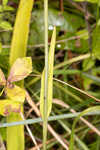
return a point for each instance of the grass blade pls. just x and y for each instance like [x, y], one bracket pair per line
[46, 73]
[50, 71]
[45, 110]
[21, 30]
[50, 78]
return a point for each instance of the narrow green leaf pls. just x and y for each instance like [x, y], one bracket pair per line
[5, 25]
[8, 8]
[83, 32]
[88, 64]
[50, 77]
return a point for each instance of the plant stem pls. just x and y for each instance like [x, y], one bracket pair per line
[15, 135]
[51, 118]
[46, 74]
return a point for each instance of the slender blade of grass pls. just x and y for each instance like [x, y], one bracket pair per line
[46, 74]
[21, 30]
[50, 78]
[46, 98]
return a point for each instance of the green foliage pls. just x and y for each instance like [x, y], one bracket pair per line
[4, 2]
[64, 22]
[5, 25]
[88, 64]
[3, 8]
[95, 108]
[81, 71]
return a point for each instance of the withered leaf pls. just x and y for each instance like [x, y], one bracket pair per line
[20, 69]
[7, 106]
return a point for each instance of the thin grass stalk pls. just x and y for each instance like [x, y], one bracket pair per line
[52, 118]
[46, 74]
[30, 133]
[74, 59]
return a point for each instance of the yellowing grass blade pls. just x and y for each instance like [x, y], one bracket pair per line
[21, 30]
[50, 78]
[50, 74]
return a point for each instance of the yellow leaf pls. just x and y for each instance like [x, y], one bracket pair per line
[50, 78]
[50, 71]
[18, 50]
[7, 106]
[21, 30]
[16, 94]
[20, 69]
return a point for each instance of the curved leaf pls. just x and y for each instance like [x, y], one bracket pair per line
[20, 69]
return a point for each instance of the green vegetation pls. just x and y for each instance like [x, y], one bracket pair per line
[49, 75]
